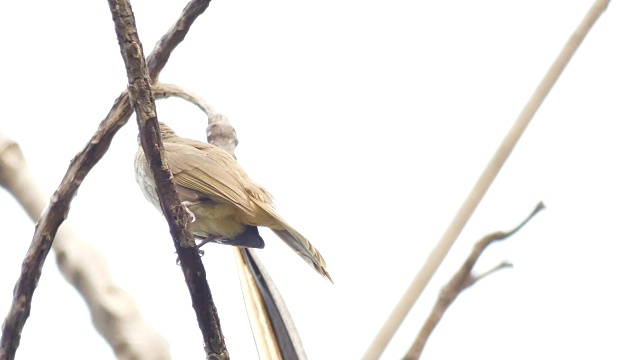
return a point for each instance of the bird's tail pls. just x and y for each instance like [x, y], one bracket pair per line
[297, 242]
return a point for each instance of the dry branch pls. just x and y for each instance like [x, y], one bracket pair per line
[58, 209]
[462, 280]
[175, 213]
[490, 172]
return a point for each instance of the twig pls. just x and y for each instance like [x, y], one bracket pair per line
[82, 163]
[175, 214]
[475, 278]
[490, 172]
[461, 281]
[113, 311]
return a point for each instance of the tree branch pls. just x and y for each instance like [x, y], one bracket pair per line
[176, 215]
[58, 209]
[462, 280]
[481, 186]
[167, 43]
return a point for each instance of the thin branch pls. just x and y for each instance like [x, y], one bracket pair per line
[462, 280]
[58, 209]
[490, 172]
[475, 278]
[113, 311]
[175, 214]
[167, 43]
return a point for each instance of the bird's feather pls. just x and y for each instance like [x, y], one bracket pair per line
[249, 238]
[197, 170]
[297, 242]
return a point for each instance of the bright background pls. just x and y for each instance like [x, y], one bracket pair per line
[369, 121]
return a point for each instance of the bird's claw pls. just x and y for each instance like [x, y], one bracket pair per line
[200, 252]
[210, 238]
[186, 205]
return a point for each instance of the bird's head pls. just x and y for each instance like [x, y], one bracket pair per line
[166, 131]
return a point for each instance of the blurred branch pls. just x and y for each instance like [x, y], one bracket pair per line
[113, 311]
[274, 331]
[264, 336]
[462, 280]
[490, 172]
[82, 163]
[176, 215]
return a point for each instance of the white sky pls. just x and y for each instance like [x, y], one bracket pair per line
[369, 122]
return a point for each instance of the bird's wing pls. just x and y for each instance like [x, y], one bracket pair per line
[296, 241]
[209, 171]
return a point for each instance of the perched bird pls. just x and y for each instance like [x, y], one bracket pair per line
[225, 204]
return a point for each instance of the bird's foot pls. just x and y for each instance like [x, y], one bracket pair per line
[209, 239]
[186, 205]
[200, 252]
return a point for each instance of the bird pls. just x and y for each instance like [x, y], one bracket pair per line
[225, 205]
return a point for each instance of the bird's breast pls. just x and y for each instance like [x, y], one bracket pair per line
[144, 178]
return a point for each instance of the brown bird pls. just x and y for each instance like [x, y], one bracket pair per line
[225, 204]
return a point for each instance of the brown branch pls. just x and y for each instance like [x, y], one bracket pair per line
[58, 209]
[462, 280]
[437, 255]
[471, 280]
[165, 46]
[113, 311]
[175, 214]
